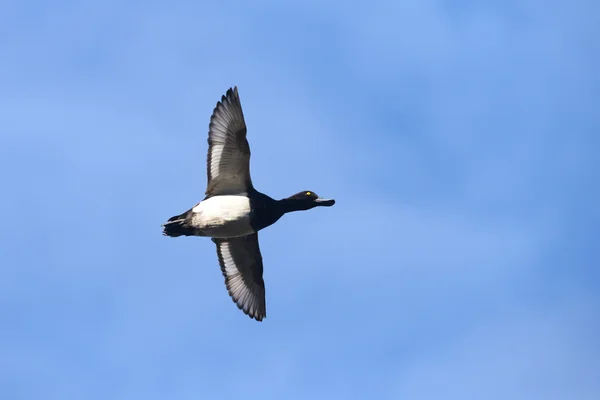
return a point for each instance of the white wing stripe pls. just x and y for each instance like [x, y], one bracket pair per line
[215, 159]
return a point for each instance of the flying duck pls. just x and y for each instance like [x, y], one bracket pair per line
[233, 211]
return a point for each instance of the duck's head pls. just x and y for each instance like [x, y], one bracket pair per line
[306, 200]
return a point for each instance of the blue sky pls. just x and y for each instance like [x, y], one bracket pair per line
[459, 139]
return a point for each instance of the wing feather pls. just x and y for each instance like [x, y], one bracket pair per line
[228, 160]
[242, 267]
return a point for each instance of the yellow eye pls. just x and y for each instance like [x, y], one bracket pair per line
[308, 193]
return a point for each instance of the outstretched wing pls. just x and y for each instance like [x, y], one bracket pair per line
[242, 267]
[228, 161]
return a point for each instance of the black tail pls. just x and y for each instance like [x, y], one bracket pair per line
[178, 226]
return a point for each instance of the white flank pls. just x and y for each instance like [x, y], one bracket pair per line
[223, 216]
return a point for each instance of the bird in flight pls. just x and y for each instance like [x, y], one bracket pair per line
[233, 211]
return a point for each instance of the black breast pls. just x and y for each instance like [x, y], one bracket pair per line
[265, 211]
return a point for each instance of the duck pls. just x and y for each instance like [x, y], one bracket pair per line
[233, 211]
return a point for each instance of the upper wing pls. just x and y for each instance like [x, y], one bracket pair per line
[242, 267]
[228, 161]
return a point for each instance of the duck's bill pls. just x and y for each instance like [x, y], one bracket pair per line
[325, 202]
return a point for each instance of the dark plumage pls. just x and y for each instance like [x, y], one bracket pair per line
[233, 211]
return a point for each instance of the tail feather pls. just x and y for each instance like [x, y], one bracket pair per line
[177, 226]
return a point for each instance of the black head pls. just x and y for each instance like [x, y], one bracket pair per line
[306, 200]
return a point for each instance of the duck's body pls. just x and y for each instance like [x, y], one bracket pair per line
[227, 216]
[233, 211]
[218, 217]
